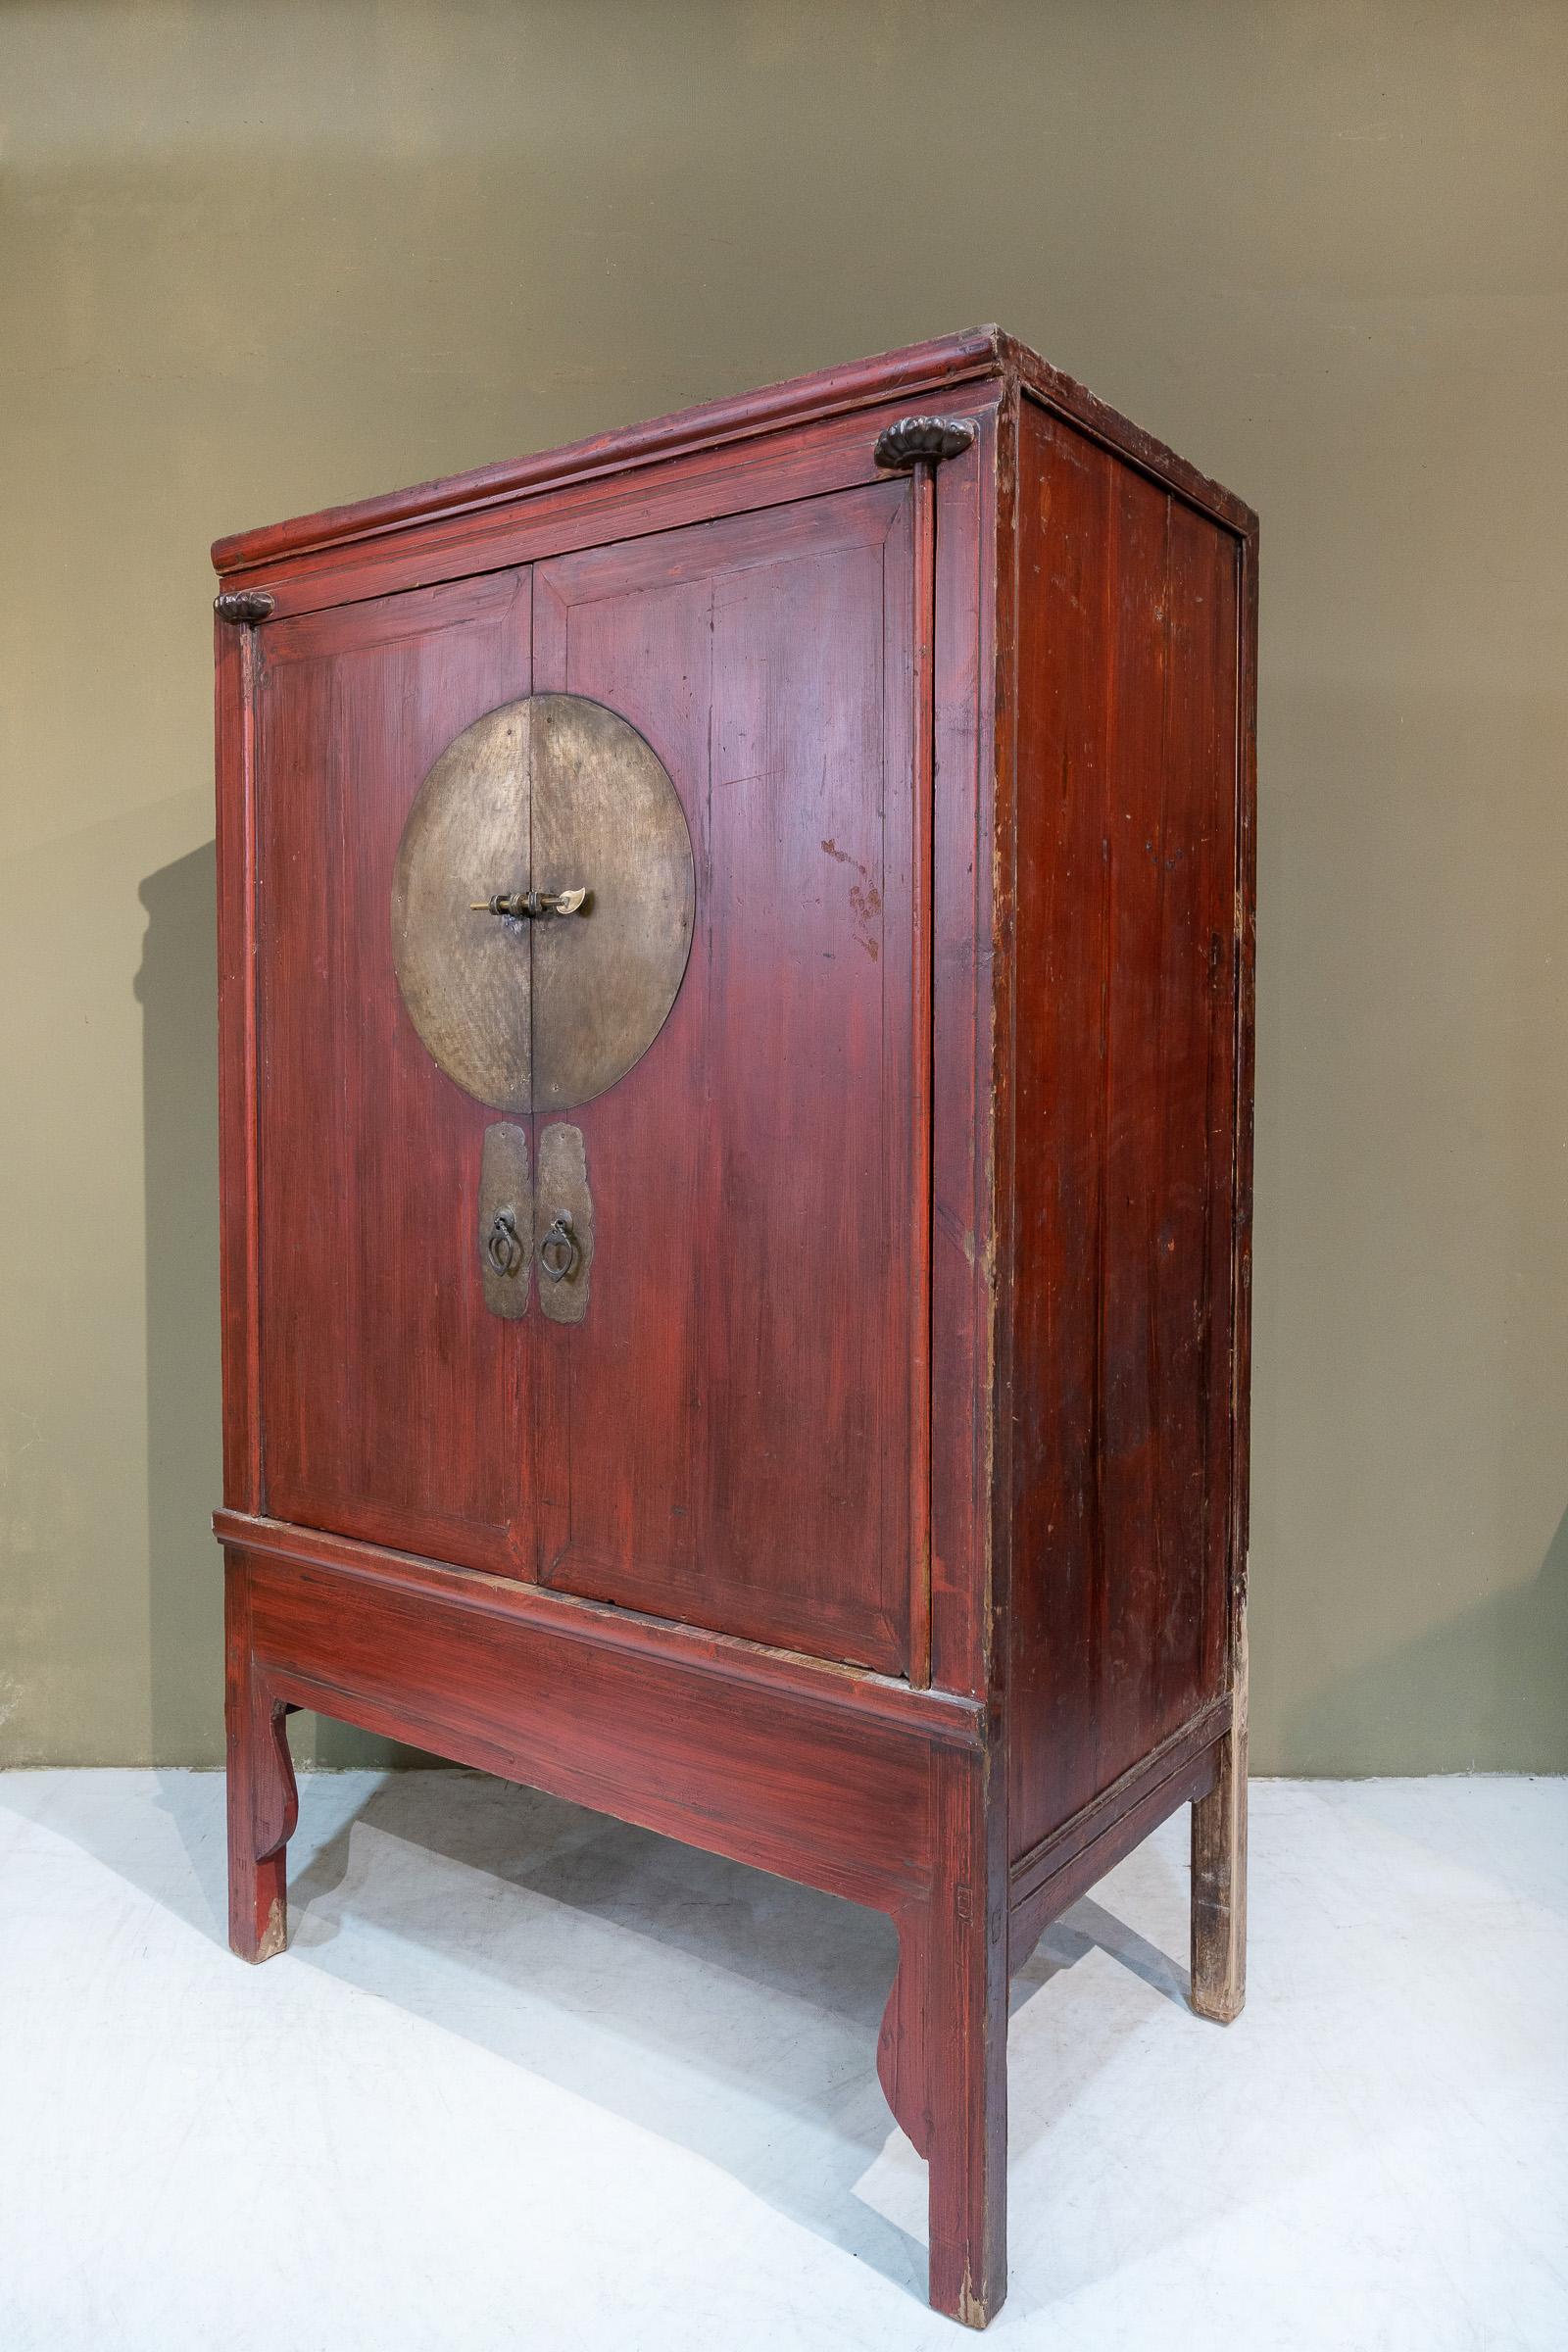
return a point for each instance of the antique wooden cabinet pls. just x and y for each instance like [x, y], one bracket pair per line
[736, 1037]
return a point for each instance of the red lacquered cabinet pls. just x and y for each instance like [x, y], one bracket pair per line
[736, 946]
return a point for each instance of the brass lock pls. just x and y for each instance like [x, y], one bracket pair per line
[565, 990]
[555, 807]
[535, 902]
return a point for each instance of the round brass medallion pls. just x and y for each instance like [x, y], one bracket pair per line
[542, 905]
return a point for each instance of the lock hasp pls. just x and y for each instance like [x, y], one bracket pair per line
[543, 904]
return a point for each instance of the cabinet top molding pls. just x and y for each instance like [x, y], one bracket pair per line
[926, 369]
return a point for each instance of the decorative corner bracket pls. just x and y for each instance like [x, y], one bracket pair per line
[924, 440]
[243, 604]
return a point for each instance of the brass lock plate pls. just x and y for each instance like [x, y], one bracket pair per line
[543, 904]
[535, 1230]
[564, 1225]
[505, 1220]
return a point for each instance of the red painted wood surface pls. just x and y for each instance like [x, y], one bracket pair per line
[725, 1438]
[757, 1775]
[930, 374]
[1124, 1073]
[263, 1802]
[753, 1766]
[391, 1400]
[559, 515]
[939, 1718]
[918, 1344]
[233, 712]
[936, 368]
[971, 740]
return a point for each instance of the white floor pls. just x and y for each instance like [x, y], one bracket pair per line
[527, 2078]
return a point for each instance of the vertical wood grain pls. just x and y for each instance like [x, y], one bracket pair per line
[1219, 1821]
[391, 1398]
[965, 1984]
[235, 670]
[972, 698]
[1241, 1238]
[1219, 1868]
[942, 2053]
[923, 718]
[1065, 509]
[263, 1801]
[635, 633]
[757, 1176]
[1126, 1107]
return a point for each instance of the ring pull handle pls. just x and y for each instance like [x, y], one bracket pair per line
[561, 1252]
[504, 1243]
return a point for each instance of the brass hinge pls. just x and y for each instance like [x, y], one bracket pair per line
[924, 440]
[243, 604]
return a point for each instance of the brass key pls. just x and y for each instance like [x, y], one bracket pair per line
[534, 903]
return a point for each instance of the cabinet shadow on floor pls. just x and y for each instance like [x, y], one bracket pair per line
[733, 2012]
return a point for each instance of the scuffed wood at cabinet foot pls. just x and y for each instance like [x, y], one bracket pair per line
[943, 2052]
[901, 2044]
[1219, 1868]
[964, 1975]
[263, 1797]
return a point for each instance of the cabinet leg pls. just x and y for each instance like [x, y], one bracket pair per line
[901, 2047]
[1219, 1871]
[262, 1799]
[943, 2054]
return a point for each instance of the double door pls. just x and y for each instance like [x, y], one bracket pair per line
[723, 1434]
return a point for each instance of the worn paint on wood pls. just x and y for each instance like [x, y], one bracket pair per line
[882, 1520]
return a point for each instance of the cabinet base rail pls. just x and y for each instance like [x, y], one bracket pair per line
[845, 1781]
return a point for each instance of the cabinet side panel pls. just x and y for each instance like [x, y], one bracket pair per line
[1125, 1078]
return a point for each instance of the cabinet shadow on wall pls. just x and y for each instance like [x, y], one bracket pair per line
[177, 987]
[1435, 1704]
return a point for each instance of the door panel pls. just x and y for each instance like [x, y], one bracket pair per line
[726, 1439]
[391, 1399]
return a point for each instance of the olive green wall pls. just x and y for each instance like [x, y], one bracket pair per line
[259, 258]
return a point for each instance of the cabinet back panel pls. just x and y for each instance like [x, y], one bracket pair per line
[1123, 1183]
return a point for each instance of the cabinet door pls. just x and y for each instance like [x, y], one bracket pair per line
[391, 1398]
[726, 1438]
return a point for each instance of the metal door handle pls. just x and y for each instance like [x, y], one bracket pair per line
[504, 1245]
[560, 1252]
